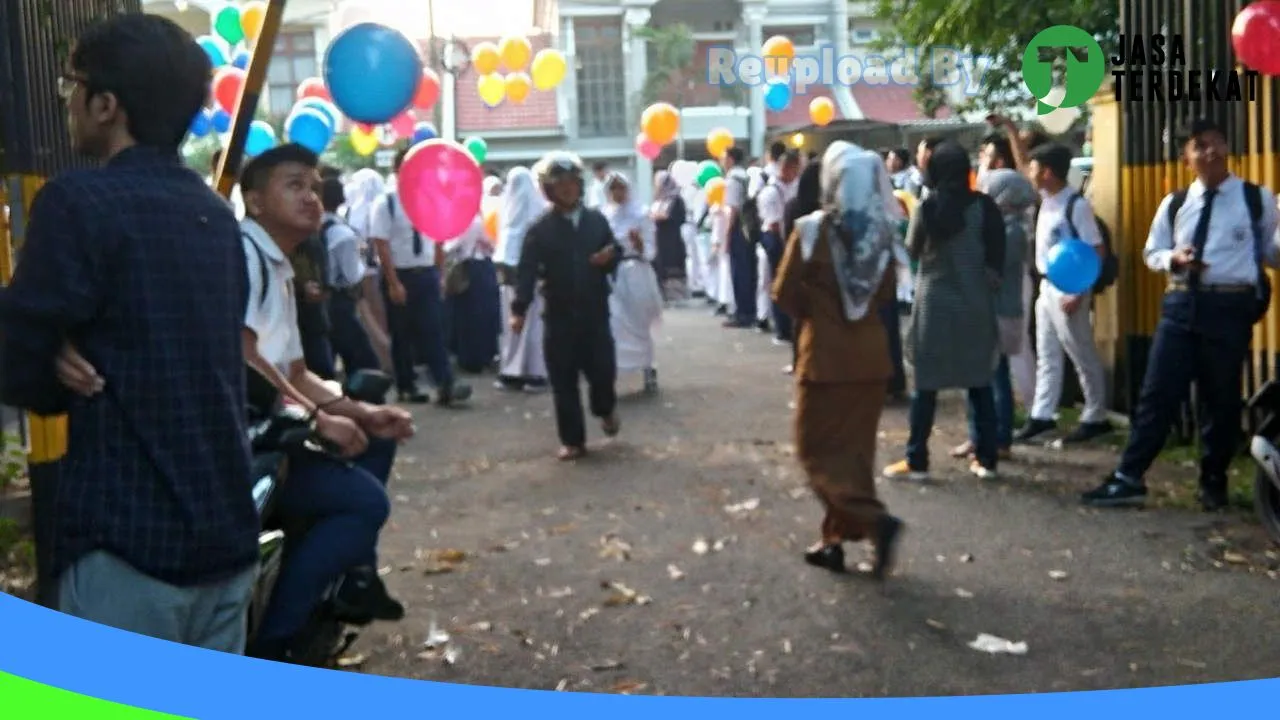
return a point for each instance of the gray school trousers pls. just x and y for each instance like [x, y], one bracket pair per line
[102, 588]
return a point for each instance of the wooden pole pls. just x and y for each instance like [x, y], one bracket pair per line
[229, 166]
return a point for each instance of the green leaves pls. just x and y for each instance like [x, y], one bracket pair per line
[997, 29]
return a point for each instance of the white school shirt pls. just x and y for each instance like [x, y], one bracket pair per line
[757, 183]
[736, 182]
[345, 262]
[392, 225]
[772, 202]
[1229, 251]
[1052, 227]
[273, 319]
[472, 243]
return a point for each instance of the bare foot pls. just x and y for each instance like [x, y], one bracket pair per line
[567, 454]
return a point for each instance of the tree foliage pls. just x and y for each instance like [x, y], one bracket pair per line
[997, 29]
[674, 68]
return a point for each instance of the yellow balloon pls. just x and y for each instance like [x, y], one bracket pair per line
[485, 58]
[518, 86]
[715, 191]
[515, 52]
[251, 17]
[719, 141]
[364, 143]
[548, 69]
[822, 111]
[492, 89]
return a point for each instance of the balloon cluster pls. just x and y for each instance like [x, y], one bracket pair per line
[235, 32]
[545, 70]
[779, 53]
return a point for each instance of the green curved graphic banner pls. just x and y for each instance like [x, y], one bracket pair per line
[26, 700]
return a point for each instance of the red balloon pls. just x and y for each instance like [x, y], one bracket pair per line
[403, 124]
[366, 128]
[440, 185]
[313, 87]
[227, 83]
[1255, 35]
[428, 90]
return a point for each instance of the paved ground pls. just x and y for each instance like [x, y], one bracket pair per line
[512, 553]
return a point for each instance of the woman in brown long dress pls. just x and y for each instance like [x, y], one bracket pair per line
[836, 272]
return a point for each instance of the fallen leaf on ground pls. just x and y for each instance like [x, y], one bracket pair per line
[482, 626]
[798, 493]
[997, 645]
[1192, 664]
[623, 595]
[1234, 558]
[560, 686]
[351, 661]
[563, 529]
[612, 546]
[626, 687]
[786, 647]
[674, 572]
[606, 665]
[936, 625]
[743, 507]
[560, 593]
[700, 547]
[588, 613]
[438, 569]
[962, 593]
[1057, 574]
[436, 637]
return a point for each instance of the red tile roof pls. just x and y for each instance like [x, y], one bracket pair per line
[797, 113]
[538, 112]
[890, 103]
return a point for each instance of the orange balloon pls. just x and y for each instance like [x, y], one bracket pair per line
[715, 191]
[485, 58]
[251, 18]
[778, 52]
[515, 52]
[518, 86]
[822, 111]
[719, 141]
[491, 223]
[660, 122]
[428, 90]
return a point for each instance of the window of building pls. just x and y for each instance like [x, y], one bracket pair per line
[602, 83]
[801, 35]
[863, 36]
[293, 61]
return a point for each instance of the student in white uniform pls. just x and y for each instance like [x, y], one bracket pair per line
[522, 365]
[635, 305]
[1213, 240]
[772, 203]
[411, 264]
[595, 195]
[1064, 323]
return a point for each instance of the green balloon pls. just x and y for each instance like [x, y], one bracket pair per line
[708, 170]
[227, 25]
[478, 148]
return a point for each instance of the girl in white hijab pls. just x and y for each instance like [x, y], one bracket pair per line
[522, 366]
[635, 305]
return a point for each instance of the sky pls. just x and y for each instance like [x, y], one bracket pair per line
[464, 18]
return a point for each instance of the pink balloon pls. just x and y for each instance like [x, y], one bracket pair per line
[647, 148]
[403, 125]
[441, 186]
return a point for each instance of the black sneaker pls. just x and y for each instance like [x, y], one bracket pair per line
[650, 381]
[362, 598]
[1114, 492]
[416, 397]
[888, 530]
[1214, 499]
[1088, 431]
[454, 394]
[764, 327]
[1034, 429]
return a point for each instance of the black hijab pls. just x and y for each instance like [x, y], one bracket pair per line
[808, 197]
[947, 176]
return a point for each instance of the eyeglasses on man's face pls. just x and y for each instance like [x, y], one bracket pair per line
[67, 85]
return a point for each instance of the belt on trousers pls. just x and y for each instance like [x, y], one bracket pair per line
[1180, 285]
[414, 270]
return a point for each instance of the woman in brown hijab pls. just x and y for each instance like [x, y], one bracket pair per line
[836, 272]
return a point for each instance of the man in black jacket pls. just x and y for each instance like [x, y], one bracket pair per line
[571, 249]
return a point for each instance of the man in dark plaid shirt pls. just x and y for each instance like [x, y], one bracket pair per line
[126, 312]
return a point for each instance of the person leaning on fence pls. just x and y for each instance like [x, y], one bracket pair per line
[1213, 239]
[125, 312]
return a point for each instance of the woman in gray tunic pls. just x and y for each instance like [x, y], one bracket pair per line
[1014, 195]
[958, 238]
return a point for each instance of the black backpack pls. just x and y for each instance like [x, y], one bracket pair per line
[750, 215]
[1253, 199]
[1110, 264]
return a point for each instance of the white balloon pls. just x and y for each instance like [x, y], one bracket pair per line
[683, 172]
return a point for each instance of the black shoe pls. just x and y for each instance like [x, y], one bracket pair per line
[362, 598]
[1114, 492]
[721, 311]
[280, 651]
[1033, 429]
[888, 530]
[764, 327]
[827, 557]
[1088, 431]
[456, 393]
[416, 397]
[1214, 499]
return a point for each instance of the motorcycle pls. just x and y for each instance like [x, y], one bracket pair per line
[274, 435]
[1264, 410]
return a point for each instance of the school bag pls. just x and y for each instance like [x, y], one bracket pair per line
[1110, 263]
[750, 215]
[1253, 199]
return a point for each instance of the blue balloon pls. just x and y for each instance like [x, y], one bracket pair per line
[221, 120]
[325, 108]
[777, 96]
[201, 124]
[261, 139]
[372, 72]
[424, 131]
[213, 49]
[241, 60]
[1073, 266]
[309, 128]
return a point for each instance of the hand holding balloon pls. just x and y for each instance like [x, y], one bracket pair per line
[1184, 258]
